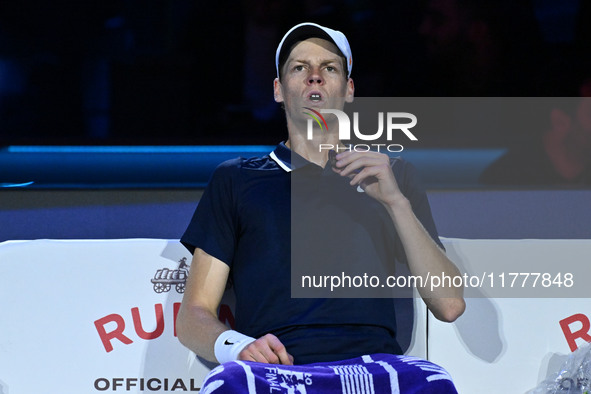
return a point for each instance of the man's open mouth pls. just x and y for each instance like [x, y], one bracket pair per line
[316, 97]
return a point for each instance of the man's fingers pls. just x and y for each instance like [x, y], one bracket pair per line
[260, 352]
[350, 163]
[369, 175]
[267, 349]
[255, 352]
[278, 350]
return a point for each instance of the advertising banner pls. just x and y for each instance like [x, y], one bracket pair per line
[98, 316]
[510, 345]
[95, 317]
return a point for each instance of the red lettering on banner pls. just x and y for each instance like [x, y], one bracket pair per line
[137, 323]
[107, 337]
[225, 315]
[571, 336]
[176, 307]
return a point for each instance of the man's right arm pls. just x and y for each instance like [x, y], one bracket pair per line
[198, 327]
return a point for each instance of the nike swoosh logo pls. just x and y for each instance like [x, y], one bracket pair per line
[228, 343]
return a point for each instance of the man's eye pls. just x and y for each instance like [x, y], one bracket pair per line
[299, 68]
[331, 69]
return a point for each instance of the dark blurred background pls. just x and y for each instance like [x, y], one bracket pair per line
[180, 72]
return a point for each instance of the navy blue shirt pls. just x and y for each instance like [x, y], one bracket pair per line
[250, 218]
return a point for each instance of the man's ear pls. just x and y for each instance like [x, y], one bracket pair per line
[561, 121]
[277, 93]
[350, 91]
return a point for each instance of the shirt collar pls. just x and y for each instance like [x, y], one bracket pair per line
[287, 159]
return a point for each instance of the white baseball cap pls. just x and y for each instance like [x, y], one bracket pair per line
[306, 30]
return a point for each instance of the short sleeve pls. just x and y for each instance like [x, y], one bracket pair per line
[213, 225]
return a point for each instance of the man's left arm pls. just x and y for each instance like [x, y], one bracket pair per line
[372, 171]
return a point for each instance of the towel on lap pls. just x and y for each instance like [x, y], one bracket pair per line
[376, 373]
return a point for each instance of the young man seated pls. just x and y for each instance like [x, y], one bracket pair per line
[243, 232]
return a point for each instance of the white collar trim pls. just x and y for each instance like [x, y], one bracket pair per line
[278, 161]
[287, 169]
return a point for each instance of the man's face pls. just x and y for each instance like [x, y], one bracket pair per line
[313, 77]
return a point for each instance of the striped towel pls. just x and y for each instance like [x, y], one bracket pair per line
[373, 374]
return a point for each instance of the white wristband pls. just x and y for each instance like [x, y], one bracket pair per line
[229, 344]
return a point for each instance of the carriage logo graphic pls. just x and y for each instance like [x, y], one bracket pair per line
[164, 278]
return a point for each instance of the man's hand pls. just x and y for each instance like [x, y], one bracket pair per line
[371, 171]
[267, 349]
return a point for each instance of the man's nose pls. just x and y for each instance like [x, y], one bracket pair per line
[315, 78]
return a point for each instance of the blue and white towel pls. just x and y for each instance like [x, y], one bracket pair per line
[373, 374]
